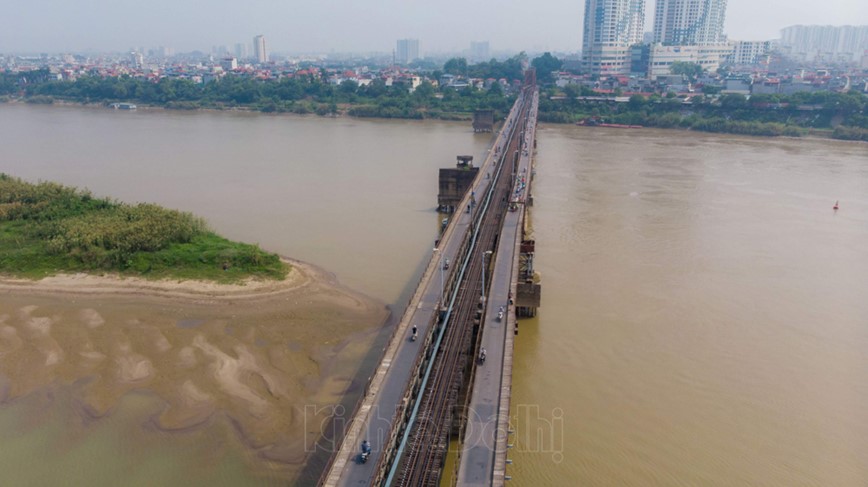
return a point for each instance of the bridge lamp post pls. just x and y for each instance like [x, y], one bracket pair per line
[472, 211]
[440, 301]
[484, 254]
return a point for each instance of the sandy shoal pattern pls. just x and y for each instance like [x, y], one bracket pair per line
[256, 354]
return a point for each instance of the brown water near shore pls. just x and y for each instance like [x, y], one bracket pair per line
[253, 366]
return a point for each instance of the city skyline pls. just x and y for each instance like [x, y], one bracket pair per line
[343, 26]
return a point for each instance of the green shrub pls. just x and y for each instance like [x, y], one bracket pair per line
[850, 133]
[45, 227]
[40, 100]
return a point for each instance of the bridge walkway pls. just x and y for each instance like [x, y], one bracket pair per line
[483, 456]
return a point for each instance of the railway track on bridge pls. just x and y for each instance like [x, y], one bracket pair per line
[422, 454]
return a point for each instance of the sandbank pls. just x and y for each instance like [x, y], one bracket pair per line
[301, 275]
[257, 354]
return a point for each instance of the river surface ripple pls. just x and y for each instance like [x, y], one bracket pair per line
[705, 312]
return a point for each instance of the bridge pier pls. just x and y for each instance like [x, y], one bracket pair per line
[527, 299]
[483, 121]
[454, 183]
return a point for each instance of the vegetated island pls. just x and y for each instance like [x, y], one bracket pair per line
[47, 228]
[219, 335]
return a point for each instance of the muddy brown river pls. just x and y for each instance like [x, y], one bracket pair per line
[704, 317]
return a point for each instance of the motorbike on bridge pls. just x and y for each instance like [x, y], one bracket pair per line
[366, 452]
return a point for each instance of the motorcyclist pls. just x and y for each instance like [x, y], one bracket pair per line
[366, 451]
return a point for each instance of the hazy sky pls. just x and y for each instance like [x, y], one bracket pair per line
[351, 25]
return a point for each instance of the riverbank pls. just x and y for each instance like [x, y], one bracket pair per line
[361, 111]
[255, 354]
[303, 107]
[114, 284]
[826, 114]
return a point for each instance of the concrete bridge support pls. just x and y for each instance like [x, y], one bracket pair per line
[454, 183]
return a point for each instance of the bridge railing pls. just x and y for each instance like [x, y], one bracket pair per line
[411, 393]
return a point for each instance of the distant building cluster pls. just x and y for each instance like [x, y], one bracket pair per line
[618, 89]
[241, 51]
[220, 62]
[617, 59]
[684, 31]
[617, 55]
[826, 43]
[691, 31]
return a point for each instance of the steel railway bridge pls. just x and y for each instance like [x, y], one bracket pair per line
[434, 388]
